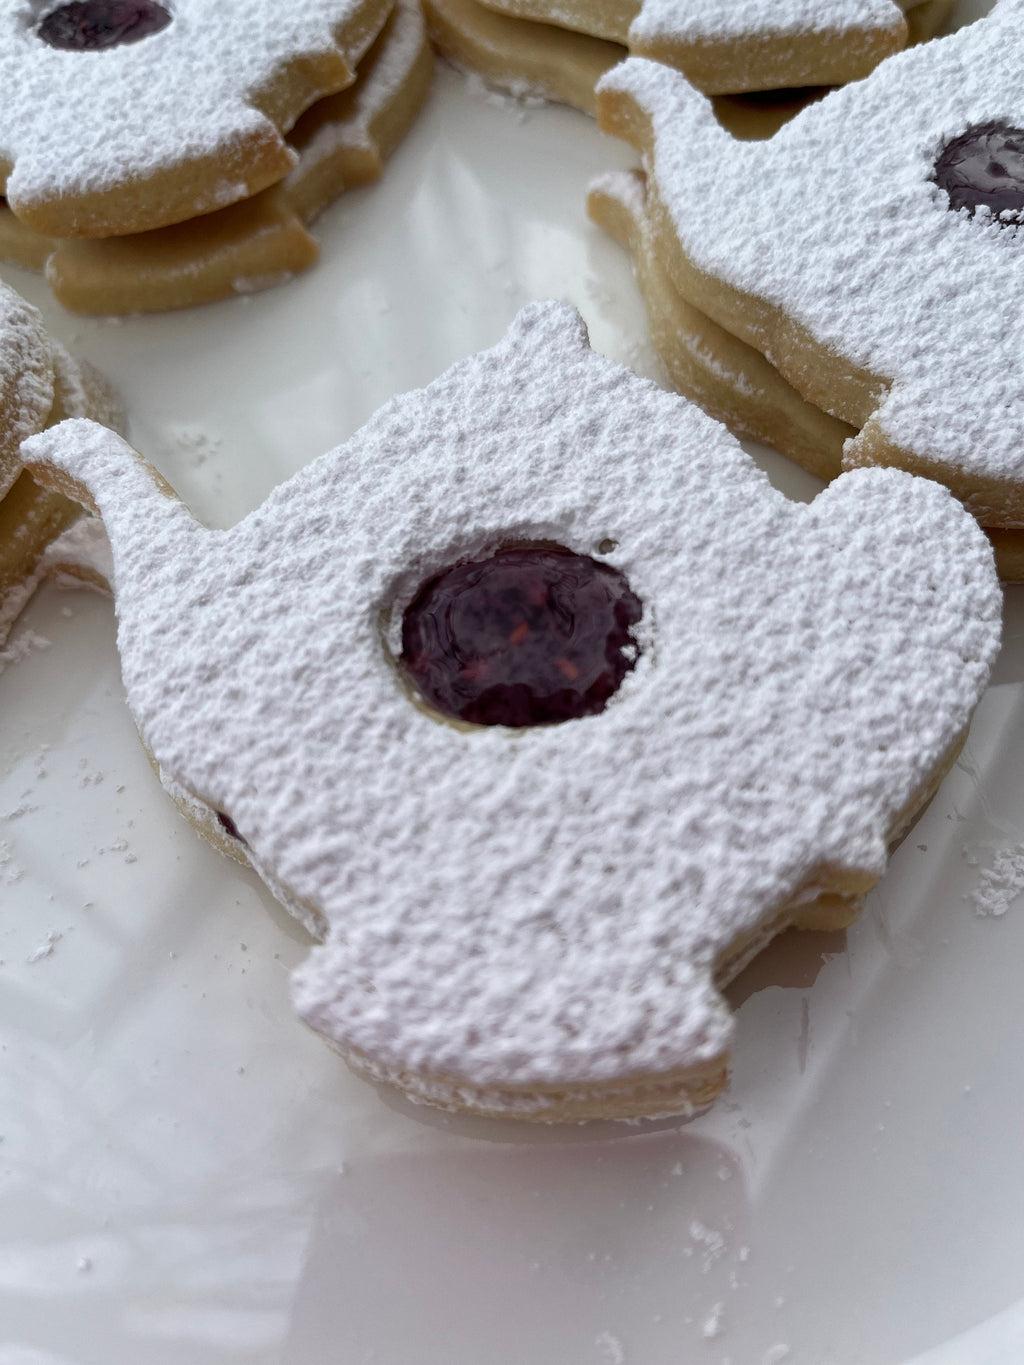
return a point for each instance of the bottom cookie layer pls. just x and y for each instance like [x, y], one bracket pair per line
[529, 58]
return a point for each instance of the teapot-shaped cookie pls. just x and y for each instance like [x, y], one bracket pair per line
[743, 701]
[120, 117]
[871, 249]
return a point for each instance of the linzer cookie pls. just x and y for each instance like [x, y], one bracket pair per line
[725, 47]
[881, 277]
[26, 380]
[124, 115]
[40, 383]
[546, 711]
[541, 60]
[544, 60]
[340, 142]
[726, 376]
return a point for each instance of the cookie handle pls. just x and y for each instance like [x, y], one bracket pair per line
[148, 525]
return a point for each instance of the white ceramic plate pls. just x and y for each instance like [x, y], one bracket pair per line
[187, 1175]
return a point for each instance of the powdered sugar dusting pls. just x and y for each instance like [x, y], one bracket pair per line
[712, 1325]
[46, 948]
[702, 20]
[22, 647]
[855, 241]
[546, 907]
[26, 380]
[516, 95]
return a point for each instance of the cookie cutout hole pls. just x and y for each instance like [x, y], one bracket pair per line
[229, 827]
[532, 635]
[606, 546]
[93, 25]
[984, 168]
[759, 114]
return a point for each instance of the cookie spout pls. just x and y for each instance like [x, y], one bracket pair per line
[638, 98]
[145, 520]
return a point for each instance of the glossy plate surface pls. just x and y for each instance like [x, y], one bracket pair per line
[186, 1174]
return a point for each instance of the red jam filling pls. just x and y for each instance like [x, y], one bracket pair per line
[985, 166]
[530, 636]
[228, 826]
[91, 25]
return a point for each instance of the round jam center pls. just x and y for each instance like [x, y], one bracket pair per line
[529, 636]
[90, 25]
[984, 166]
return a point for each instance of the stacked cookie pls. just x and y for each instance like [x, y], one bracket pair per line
[544, 758]
[40, 385]
[559, 49]
[189, 201]
[848, 291]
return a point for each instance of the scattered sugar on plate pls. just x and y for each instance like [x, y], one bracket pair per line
[10, 872]
[29, 642]
[999, 884]
[712, 1325]
[198, 446]
[46, 948]
[610, 1348]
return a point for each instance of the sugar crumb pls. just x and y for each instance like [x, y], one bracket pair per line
[712, 1325]
[46, 948]
[610, 1348]
[999, 884]
[22, 646]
